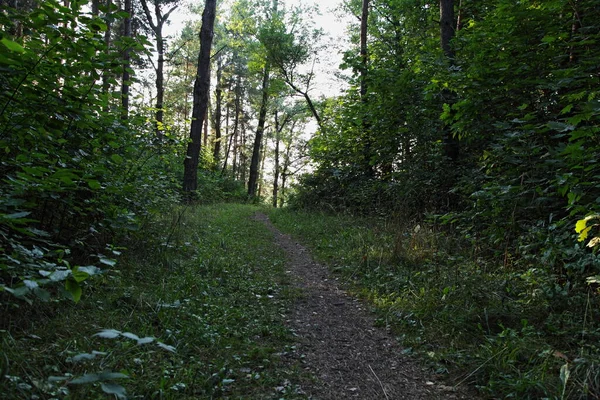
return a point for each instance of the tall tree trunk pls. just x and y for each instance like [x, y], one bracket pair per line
[243, 159]
[447, 31]
[364, 18]
[201, 92]
[261, 171]
[262, 117]
[126, 61]
[227, 135]
[157, 28]
[236, 123]
[364, 60]
[575, 26]
[205, 130]
[160, 82]
[218, 100]
[276, 168]
[284, 172]
[107, 43]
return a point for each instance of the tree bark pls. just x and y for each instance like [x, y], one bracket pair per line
[276, 168]
[227, 135]
[364, 59]
[261, 170]
[126, 62]
[107, 42]
[218, 111]
[447, 31]
[157, 28]
[201, 92]
[285, 172]
[262, 117]
[363, 49]
[242, 158]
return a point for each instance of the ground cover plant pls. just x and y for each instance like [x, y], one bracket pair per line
[511, 333]
[194, 309]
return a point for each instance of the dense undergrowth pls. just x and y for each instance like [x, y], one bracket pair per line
[512, 333]
[193, 309]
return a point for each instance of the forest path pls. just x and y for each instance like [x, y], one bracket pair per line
[338, 343]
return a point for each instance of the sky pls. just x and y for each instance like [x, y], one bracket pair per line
[326, 83]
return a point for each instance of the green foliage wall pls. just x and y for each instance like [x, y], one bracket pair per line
[74, 173]
[521, 95]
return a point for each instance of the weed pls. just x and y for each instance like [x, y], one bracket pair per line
[194, 310]
[511, 330]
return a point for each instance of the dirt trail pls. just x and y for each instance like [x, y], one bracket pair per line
[339, 344]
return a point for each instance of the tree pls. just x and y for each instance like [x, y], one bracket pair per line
[156, 23]
[201, 93]
[125, 80]
[290, 43]
[447, 30]
[262, 118]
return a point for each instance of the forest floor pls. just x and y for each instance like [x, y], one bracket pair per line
[213, 303]
[338, 343]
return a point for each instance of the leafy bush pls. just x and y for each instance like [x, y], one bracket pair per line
[76, 173]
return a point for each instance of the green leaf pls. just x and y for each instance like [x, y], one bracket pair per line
[114, 389]
[130, 335]
[42, 294]
[12, 46]
[74, 289]
[58, 378]
[18, 215]
[108, 334]
[116, 158]
[166, 347]
[90, 270]
[582, 228]
[94, 184]
[80, 276]
[60, 275]
[108, 376]
[560, 126]
[565, 372]
[145, 340]
[87, 378]
[83, 357]
[31, 284]
[108, 261]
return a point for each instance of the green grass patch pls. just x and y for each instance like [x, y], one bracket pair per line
[194, 309]
[512, 331]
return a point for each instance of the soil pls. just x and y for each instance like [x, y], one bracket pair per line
[339, 345]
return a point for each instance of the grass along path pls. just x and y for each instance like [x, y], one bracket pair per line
[339, 344]
[196, 311]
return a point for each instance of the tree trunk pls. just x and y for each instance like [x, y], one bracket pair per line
[219, 100]
[364, 59]
[284, 172]
[105, 73]
[447, 31]
[205, 130]
[261, 171]
[201, 92]
[363, 49]
[254, 164]
[242, 159]
[447, 27]
[236, 124]
[160, 82]
[126, 62]
[229, 142]
[157, 28]
[276, 169]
